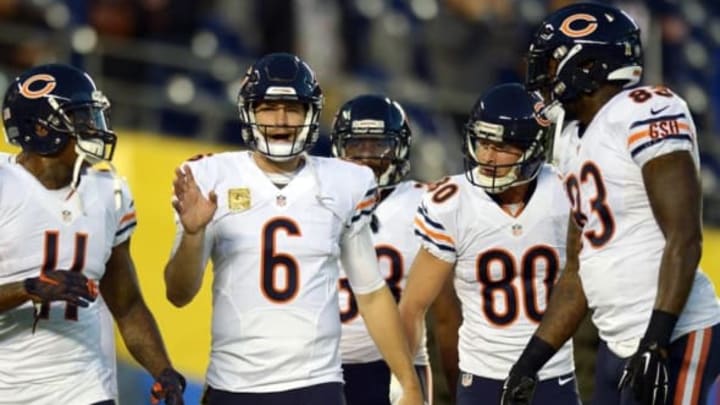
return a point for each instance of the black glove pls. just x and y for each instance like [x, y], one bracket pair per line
[62, 285]
[518, 389]
[646, 372]
[519, 386]
[169, 386]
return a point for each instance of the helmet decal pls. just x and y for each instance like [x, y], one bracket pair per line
[587, 29]
[49, 86]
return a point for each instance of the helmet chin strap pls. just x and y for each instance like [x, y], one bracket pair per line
[556, 114]
[383, 180]
[83, 157]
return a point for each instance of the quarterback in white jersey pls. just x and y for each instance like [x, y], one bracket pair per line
[500, 227]
[633, 184]
[373, 130]
[66, 229]
[283, 223]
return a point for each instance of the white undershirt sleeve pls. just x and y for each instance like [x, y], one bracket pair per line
[359, 261]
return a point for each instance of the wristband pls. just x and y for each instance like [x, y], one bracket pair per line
[660, 328]
[536, 354]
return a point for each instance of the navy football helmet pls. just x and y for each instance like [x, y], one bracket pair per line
[280, 77]
[582, 46]
[49, 104]
[506, 115]
[373, 130]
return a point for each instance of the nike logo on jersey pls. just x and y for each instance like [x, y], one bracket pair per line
[656, 112]
[563, 381]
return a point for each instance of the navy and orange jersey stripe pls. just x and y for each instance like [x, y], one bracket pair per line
[366, 206]
[127, 222]
[432, 231]
[648, 132]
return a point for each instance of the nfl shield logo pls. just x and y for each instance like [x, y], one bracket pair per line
[517, 229]
[280, 200]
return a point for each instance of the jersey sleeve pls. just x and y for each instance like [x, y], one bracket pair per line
[126, 217]
[434, 226]
[360, 262]
[658, 125]
[364, 204]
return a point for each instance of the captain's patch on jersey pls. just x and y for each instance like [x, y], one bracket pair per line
[238, 199]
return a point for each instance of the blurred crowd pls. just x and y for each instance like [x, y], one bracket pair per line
[173, 66]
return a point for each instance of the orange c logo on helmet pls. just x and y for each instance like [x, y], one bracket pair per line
[49, 86]
[588, 28]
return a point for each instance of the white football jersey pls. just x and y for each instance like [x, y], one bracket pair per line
[622, 243]
[505, 267]
[275, 254]
[395, 246]
[70, 357]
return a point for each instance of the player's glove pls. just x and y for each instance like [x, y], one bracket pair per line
[62, 285]
[646, 372]
[519, 386]
[169, 386]
[518, 389]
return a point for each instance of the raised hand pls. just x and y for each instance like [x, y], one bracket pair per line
[62, 285]
[194, 209]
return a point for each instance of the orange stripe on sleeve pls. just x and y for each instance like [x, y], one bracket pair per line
[127, 217]
[365, 203]
[635, 136]
[433, 234]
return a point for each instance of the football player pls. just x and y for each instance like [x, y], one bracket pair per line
[276, 223]
[635, 233]
[499, 229]
[65, 244]
[373, 130]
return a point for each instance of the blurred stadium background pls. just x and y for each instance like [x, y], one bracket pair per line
[172, 69]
